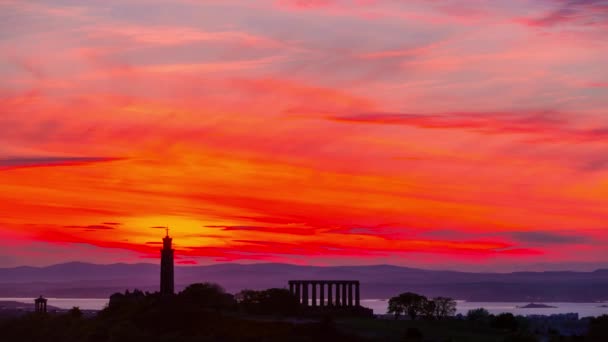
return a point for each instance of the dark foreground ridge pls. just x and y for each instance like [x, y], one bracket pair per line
[381, 281]
[205, 312]
[202, 312]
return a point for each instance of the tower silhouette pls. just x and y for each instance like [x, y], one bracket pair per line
[167, 282]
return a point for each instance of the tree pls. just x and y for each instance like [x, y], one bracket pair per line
[478, 315]
[444, 307]
[247, 298]
[429, 309]
[598, 329]
[505, 321]
[75, 312]
[395, 307]
[411, 303]
[270, 301]
[279, 301]
[207, 295]
[128, 298]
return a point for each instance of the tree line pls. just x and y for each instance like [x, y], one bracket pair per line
[201, 312]
[205, 312]
[415, 306]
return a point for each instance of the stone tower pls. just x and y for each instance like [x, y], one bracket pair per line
[167, 282]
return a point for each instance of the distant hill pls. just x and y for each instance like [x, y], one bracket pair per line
[380, 281]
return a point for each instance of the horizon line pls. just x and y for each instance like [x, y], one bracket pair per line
[605, 268]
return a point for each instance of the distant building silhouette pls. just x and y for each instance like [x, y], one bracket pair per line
[40, 304]
[344, 290]
[341, 297]
[167, 282]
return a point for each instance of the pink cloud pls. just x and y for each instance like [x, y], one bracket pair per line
[552, 126]
[171, 35]
[599, 84]
[308, 3]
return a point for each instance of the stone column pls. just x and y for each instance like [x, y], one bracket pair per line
[338, 295]
[350, 294]
[298, 292]
[330, 301]
[357, 295]
[314, 294]
[305, 296]
[322, 298]
[344, 300]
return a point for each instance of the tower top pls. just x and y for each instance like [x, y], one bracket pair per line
[167, 240]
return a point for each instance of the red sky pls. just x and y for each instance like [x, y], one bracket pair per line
[456, 134]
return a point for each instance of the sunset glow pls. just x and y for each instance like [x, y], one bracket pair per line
[450, 134]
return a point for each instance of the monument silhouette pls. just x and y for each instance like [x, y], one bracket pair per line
[346, 302]
[343, 290]
[167, 281]
[40, 304]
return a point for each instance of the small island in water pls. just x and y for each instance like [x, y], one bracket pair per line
[536, 306]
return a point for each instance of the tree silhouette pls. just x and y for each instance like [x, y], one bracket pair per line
[479, 315]
[505, 321]
[415, 305]
[207, 295]
[598, 329]
[429, 309]
[444, 307]
[75, 312]
[271, 301]
[411, 303]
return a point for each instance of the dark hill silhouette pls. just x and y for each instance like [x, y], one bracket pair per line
[379, 281]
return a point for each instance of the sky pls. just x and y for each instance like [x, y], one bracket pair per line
[441, 134]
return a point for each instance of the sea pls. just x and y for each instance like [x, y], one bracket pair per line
[462, 307]
[380, 306]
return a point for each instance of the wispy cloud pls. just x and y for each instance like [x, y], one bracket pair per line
[290, 230]
[173, 35]
[581, 12]
[94, 227]
[24, 162]
[548, 237]
[554, 125]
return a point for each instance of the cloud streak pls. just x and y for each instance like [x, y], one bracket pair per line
[551, 238]
[28, 162]
[554, 126]
[583, 12]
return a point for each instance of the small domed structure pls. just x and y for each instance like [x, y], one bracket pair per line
[40, 304]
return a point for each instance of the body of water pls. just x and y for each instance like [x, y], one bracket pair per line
[583, 309]
[379, 306]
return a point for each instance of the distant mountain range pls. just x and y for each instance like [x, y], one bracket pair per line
[72, 280]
